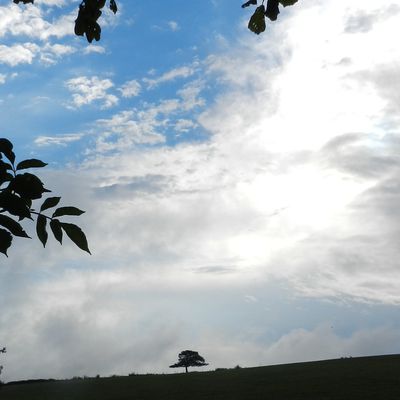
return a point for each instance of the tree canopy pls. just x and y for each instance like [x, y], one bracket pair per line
[189, 358]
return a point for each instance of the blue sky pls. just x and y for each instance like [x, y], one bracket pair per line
[241, 191]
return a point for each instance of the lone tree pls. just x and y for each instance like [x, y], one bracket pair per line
[189, 358]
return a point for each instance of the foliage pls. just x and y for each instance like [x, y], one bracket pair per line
[17, 193]
[189, 358]
[88, 13]
[257, 20]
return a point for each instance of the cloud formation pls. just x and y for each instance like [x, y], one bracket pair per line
[87, 90]
[285, 174]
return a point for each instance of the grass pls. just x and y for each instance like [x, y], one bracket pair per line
[364, 378]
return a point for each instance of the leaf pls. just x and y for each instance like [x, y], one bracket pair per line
[55, 226]
[76, 235]
[41, 229]
[272, 9]
[14, 205]
[31, 163]
[5, 241]
[5, 166]
[5, 176]
[113, 6]
[248, 3]
[13, 226]
[257, 20]
[28, 186]
[286, 3]
[67, 211]
[49, 203]
[6, 148]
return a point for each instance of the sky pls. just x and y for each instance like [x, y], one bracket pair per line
[241, 191]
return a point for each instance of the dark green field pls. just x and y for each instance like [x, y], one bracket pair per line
[375, 378]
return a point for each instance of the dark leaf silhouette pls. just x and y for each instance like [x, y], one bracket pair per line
[49, 203]
[5, 241]
[249, 3]
[76, 235]
[272, 10]
[28, 186]
[5, 166]
[113, 6]
[13, 226]
[41, 232]
[67, 211]
[5, 176]
[286, 3]
[14, 205]
[257, 20]
[6, 148]
[55, 226]
[32, 163]
[88, 14]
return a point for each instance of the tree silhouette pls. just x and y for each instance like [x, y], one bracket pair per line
[189, 358]
[17, 193]
[89, 12]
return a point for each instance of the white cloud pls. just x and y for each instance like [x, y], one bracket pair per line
[130, 88]
[127, 129]
[190, 95]
[180, 72]
[50, 54]
[92, 48]
[174, 26]
[18, 54]
[88, 90]
[60, 140]
[184, 125]
[30, 21]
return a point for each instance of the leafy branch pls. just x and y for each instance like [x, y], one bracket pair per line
[17, 193]
[88, 13]
[257, 21]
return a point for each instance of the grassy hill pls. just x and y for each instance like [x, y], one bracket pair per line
[375, 378]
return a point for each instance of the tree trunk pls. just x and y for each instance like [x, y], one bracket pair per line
[186, 369]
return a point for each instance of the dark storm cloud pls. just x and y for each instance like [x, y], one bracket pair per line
[363, 21]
